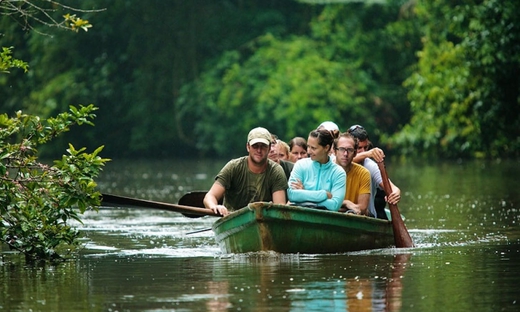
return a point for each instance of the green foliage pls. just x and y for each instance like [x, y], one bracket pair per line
[199, 82]
[7, 61]
[37, 200]
[286, 86]
[378, 42]
[290, 85]
[132, 65]
[441, 110]
[465, 93]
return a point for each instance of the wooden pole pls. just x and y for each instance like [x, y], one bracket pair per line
[123, 201]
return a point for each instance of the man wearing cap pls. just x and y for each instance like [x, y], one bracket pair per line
[249, 178]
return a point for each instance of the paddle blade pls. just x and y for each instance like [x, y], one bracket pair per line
[401, 236]
[195, 199]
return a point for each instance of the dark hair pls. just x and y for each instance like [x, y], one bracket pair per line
[325, 137]
[348, 136]
[274, 140]
[335, 133]
[358, 132]
[299, 141]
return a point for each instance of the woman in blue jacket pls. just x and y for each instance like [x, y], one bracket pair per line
[317, 179]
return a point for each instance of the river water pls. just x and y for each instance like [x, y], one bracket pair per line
[463, 217]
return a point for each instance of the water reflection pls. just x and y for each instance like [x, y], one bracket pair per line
[358, 293]
[263, 281]
[394, 287]
[44, 288]
[219, 296]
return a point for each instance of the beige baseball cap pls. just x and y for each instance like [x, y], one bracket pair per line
[259, 135]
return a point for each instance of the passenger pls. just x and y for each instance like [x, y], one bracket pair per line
[318, 180]
[283, 150]
[331, 126]
[364, 157]
[366, 149]
[274, 155]
[357, 197]
[298, 148]
[249, 178]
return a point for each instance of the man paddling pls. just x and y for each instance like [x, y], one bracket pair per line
[249, 178]
[364, 157]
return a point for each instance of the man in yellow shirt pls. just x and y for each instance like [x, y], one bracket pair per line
[357, 196]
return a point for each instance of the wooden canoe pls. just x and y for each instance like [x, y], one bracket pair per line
[290, 229]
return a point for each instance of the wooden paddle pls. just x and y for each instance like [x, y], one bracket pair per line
[123, 201]
[401, 236]
[195, 199]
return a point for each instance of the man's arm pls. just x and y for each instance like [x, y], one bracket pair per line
[337, 192]
[279, 197]
[213, 196]
[297, 192]
[360, 208]
[376, 153]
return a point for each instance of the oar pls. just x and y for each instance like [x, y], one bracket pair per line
[401, 236]
[195, 199]
[123, 201]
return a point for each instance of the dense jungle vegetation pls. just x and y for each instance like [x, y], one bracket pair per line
[181, 78]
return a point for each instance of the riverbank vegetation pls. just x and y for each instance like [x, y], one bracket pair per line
[184, 78]
[37, 199]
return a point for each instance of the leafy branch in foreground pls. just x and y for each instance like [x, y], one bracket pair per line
[38, 200]
[43, 12]
[7, 61]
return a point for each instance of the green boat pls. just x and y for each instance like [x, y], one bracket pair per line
[290, 229]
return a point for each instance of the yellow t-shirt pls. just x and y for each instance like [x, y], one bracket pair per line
[358, 182]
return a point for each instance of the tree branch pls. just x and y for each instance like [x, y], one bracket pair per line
[25, 10]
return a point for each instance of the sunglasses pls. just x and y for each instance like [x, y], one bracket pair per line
[355, 127]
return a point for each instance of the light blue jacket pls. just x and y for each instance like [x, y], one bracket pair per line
[317, 179]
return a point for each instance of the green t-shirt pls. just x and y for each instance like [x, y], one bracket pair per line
[244, 187]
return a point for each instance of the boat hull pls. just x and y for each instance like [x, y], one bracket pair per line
[290, 229]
